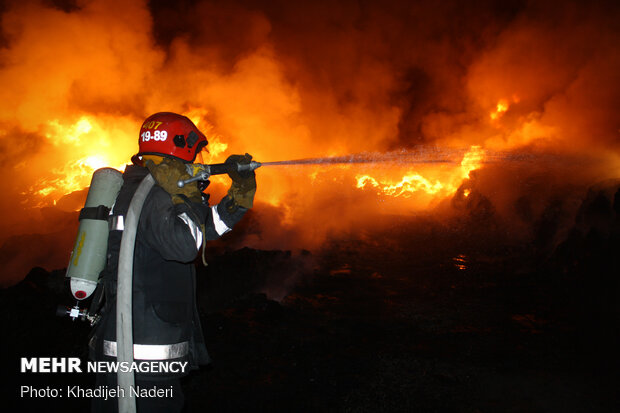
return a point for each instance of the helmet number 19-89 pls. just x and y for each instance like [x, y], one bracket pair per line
[156, 136]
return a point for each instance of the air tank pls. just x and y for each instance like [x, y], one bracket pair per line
[88, 257]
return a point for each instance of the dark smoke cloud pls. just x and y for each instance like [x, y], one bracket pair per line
[394, 61]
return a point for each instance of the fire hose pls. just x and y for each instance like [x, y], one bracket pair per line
[124, 291]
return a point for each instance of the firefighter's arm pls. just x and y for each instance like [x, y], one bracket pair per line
[175, 222]
[176, 230]
[215, 220]
[221, 218]
[169, 228]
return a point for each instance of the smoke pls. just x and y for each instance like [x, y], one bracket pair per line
[289, 80]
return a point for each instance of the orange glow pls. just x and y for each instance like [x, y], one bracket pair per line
[78, 83]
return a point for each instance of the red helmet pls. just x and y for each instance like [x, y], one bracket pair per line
[172, 135]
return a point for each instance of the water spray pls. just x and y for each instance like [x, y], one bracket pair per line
[202, 172]
[427, 155]
[419, 156]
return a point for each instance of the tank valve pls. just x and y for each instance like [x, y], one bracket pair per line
[76, 312]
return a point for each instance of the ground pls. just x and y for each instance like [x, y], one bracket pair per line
[407, 318]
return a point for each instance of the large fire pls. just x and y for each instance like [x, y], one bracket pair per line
[79, 78]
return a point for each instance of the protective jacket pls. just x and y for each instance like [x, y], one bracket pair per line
[166, 325]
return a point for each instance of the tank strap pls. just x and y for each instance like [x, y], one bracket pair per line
[97, 302]
[116, 223]
[151, 351]
[99, 212]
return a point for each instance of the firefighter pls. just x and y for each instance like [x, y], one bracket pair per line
[174, 223]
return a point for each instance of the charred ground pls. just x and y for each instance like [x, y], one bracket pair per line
[414, 316]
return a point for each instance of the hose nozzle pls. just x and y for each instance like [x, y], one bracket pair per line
[200, 172]
[252, 166]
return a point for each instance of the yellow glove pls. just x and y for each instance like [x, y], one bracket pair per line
[168, 173]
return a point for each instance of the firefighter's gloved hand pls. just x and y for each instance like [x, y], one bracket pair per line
[168, 173]
[243, 187]
[235, 175]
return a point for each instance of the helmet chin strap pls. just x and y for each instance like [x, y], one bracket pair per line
[137, 160]
[140, 158]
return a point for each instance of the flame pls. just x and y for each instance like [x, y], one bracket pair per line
[199, 116]
[84, 146]
[412, 182]
[59, 134]
[71, 177]
[406, 187]
[500, 109]
[472, 160]
[95, 162]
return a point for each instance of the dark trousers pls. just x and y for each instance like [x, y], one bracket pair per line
[172, 400]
